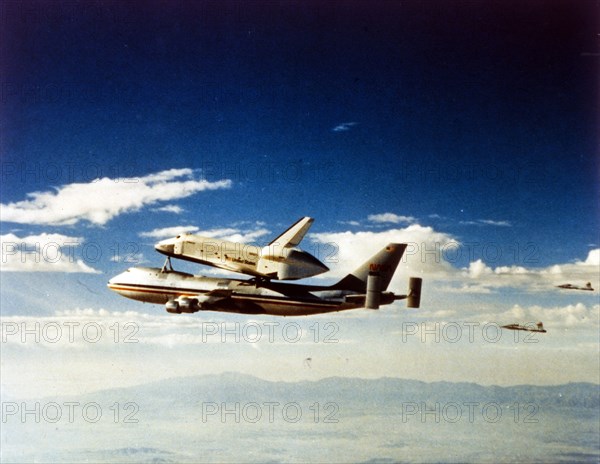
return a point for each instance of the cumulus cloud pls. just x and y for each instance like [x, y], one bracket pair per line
[102, 199]
[477, 269]
[593, 258]
[576, 315]
[43, 253]
[432, 254]
[391, 218]
[536, 279]
[345, 251]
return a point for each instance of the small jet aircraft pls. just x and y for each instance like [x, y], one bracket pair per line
[588, 287]
[279, 260]
[186, 293]
[539, 327]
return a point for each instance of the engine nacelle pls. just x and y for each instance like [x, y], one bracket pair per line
[172, 307]
[373, 298]
[187, 305]
[182, 304]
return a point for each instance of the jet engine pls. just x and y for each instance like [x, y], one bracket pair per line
[172, 306]
[182, 304]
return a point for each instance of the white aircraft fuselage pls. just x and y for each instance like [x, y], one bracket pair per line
[186, 293]
[270, 262]
[153, 285]
[279, 260]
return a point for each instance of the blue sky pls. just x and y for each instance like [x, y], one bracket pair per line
[436, 123]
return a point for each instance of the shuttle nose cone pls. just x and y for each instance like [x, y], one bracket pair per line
[165, 247]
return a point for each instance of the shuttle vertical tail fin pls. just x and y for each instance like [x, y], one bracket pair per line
[294, 234]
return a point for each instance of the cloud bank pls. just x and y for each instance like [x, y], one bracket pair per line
[101, 200]
[42, 253]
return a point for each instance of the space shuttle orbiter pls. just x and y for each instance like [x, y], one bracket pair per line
[279, 260]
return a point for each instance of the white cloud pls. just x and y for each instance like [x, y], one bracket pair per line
[244, 236]
[345, 251]
[431, 254]
[155, 328]
[491, 222]
[390, 218]
[536, 279]
[42, 253]
[478, 268]
[593, 258]
[486, 222]
[228, 233]
[219, 233]
[463, 288]
[170, 209]
[102, 199]
[168, 232]
[576, 315]
[344, 126]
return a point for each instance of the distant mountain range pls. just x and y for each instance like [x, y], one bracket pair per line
[370, 423]
[384, 392]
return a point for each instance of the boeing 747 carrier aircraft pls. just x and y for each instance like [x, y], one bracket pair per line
[365, 287]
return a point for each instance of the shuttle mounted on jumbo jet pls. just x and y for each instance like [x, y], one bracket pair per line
[366, 287]
[279, 260]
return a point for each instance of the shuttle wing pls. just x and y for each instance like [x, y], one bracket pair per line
[294, 235]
